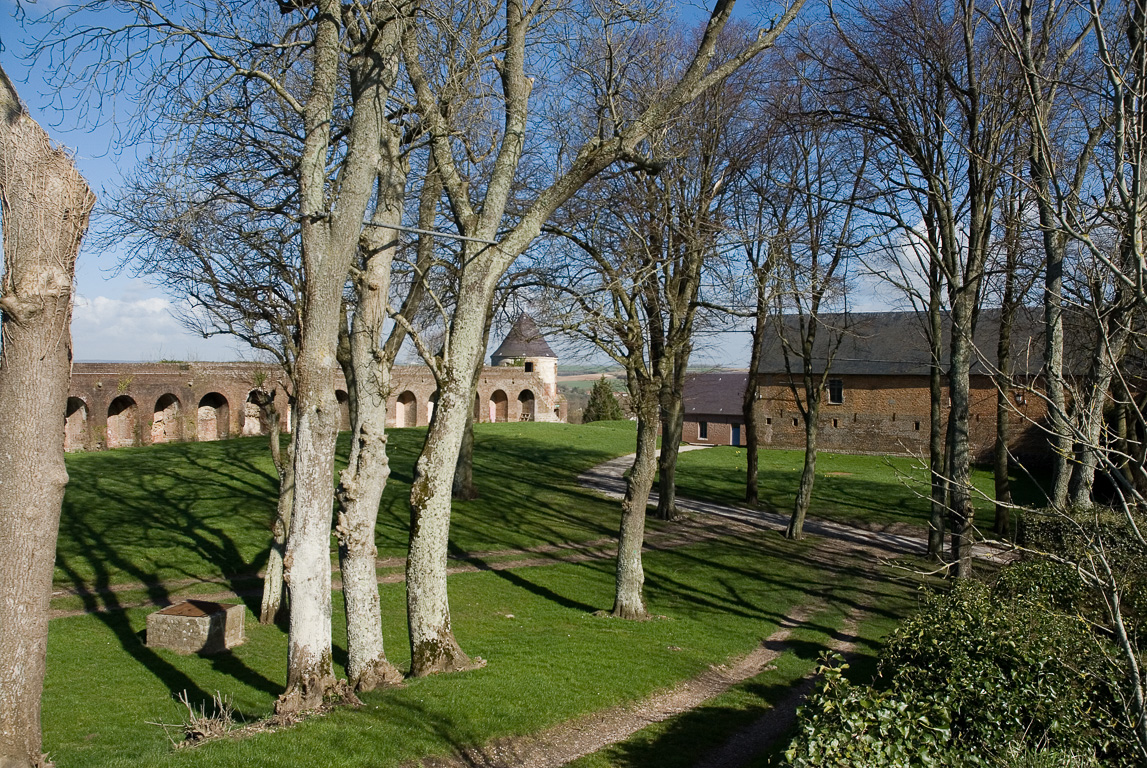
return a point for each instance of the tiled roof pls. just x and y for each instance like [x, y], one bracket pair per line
[525, 339]
[715, 394]
[891, 343]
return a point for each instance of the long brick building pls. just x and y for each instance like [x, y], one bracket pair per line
[111, 405]
[877, 394]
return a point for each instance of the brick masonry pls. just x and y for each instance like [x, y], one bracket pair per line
[878, 414]
[113, 405]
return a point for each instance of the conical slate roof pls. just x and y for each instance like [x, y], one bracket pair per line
[524, 340]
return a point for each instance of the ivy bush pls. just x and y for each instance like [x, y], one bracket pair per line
[980, 673]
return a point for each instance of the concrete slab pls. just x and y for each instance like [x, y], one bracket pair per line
[196, 626]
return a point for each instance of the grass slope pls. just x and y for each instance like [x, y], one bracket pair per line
[868, 490]
[203, 510]
[198, 511]
[549, 660]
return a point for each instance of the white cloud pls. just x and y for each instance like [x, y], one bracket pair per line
[145, 328]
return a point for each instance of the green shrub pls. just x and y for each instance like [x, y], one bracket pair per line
[980, 673]
[844, 725]
[1075, 536]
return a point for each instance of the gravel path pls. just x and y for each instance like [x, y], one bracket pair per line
[608, 479]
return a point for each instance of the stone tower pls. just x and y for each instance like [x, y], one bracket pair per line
[525, 345]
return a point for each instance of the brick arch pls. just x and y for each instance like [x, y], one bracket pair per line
[212, 418]
[167, 419]
[406, 414]
[123, 422]
[499, 405]
[76, 424]
[527, 405]
[431, 404]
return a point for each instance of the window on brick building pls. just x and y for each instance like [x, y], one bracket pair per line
[529, 367]
[703, 430]
[836, 391]
[835, 423]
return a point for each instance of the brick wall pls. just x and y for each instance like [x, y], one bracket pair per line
[118, 404]
[890, 414]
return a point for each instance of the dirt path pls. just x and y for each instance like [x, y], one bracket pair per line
[582, 736]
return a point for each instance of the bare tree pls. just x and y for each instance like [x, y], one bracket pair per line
[349, 52]
[217, 230]
[479, 211]
[44, 209]
[924, 79]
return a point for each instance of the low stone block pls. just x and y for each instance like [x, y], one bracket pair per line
[196, 626]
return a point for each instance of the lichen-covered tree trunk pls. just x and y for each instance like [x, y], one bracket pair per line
[363, 481]
[273, 606]
[329, 236]
[44, 207]
[628, 602]
[433, 648]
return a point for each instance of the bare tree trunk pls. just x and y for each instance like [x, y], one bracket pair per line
[464, 488]
[329, 237]
[672, 427]
[364, 479]
[628, 602]
[433, 648]
[749, 400]
[1112, 340]
[44, 204]
[937, 440]
[959, 390]
[274, 587]
[1003, 492]
[795, 529]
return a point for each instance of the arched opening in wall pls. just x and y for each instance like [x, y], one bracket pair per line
[213, 419]
[526, 401]
[477, 407]
[122, 420]
[166, 426]
[76, 425]
[430, 406]
[344, 409]
[252, 415]
[406, 414]
[499, 406]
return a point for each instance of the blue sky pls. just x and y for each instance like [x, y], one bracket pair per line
[118, 317]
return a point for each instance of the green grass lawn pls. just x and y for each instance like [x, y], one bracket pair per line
[870, 490]
[548, 658]
[196, 511]
[203, 510]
